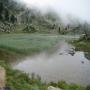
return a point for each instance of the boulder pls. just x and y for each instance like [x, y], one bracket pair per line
[53, 88]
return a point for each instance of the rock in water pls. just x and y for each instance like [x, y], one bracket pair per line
[53, 88]
[2, 77]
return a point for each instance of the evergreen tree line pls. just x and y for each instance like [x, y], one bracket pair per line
[5, 14]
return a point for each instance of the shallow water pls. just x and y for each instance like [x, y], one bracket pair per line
[62, 64]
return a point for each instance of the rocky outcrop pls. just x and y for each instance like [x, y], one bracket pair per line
[53, 88]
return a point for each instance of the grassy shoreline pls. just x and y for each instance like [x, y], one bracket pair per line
[25, 44]
[17, 80]
[15, 45]
[83, 45]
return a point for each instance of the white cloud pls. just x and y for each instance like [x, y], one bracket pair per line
[78, 8]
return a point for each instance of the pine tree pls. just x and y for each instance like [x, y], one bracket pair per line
[12, 18]
[6, 15]
[1, 10]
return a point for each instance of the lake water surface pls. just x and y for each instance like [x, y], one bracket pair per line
[61, 63]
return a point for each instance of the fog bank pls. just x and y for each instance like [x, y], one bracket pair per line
[65, 8]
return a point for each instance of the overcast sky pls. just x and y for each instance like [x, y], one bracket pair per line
[77, 8]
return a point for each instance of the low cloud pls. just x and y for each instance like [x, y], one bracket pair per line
[76, 8]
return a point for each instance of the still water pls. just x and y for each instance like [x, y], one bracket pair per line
[61, 63]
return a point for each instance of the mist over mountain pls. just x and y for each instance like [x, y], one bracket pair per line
[42, 16]
[64, 8]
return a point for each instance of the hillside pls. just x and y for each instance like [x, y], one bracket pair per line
[13, 15]
[17, 18]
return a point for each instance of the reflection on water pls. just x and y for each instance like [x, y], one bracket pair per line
[63, 64]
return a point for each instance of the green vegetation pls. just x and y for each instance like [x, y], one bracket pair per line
[16, 19]
[25, 44]
[29, 29]
[63, 85]
[17, 80]
[83, 45]
[22, 44]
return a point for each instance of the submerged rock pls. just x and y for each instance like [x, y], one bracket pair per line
[82, 62]
[53, 88]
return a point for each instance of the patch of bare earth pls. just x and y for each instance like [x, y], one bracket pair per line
[2, 77]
